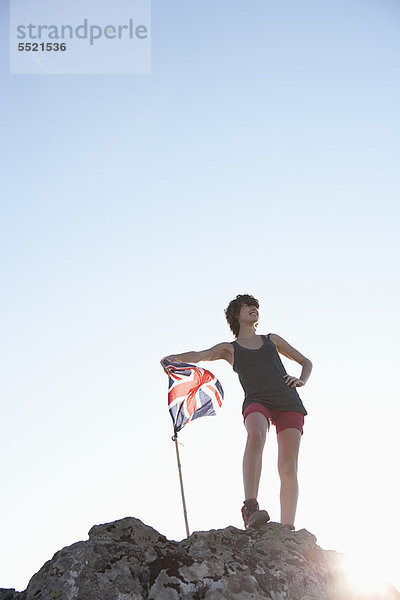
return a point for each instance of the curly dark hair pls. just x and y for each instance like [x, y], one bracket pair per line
[233, 310]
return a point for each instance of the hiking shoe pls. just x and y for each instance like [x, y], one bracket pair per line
[252, 515]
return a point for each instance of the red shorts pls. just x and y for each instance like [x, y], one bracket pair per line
[280, 418]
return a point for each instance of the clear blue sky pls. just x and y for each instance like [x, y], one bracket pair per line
[261, 155]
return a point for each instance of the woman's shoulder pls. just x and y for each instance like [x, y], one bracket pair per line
[274, 337]
[227, 349]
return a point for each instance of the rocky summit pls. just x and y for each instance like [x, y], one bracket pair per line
[128, 560]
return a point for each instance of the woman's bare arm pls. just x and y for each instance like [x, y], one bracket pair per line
[287, 350]
[219, 351]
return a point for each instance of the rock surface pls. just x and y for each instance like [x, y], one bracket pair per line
[128, 560]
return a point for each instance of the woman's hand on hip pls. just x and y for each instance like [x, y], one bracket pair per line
[293, 381]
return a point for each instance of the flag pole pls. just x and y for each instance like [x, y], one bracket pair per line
[175, 439]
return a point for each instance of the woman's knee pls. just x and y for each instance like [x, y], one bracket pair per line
[256, 436]
[288, 468]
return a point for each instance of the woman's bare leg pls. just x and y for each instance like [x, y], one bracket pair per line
[288, 452]
[257, 426]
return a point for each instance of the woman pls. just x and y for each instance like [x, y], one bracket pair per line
[270, 397]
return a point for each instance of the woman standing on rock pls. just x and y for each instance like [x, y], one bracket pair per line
[270, 397]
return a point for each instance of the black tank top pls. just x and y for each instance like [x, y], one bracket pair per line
[261, 374]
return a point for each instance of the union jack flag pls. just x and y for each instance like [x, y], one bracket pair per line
[193, 392]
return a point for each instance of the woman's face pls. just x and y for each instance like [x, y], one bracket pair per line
[248, 314]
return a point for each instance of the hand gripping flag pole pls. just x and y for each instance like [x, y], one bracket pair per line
[193, 392]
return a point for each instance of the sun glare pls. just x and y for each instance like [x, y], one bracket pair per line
[367, 575]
